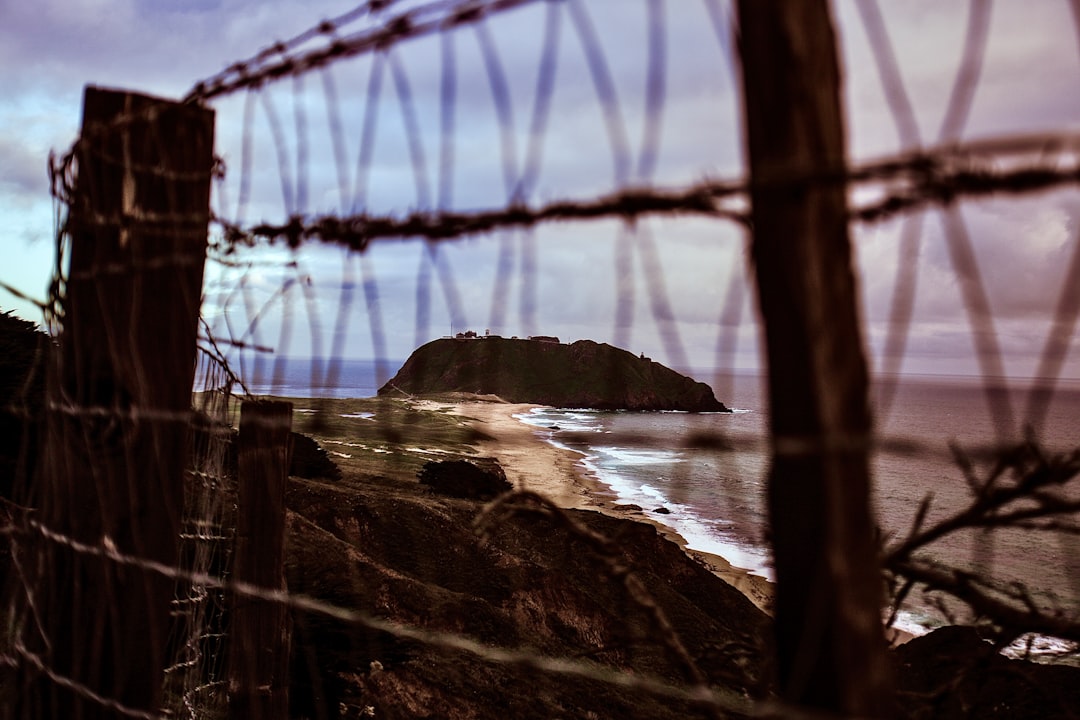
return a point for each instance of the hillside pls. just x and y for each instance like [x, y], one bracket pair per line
[23, 349]
[395, 550]
[583, 374]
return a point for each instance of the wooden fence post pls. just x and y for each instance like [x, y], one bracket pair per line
[95, 623]
[260, 630]
[831, 653]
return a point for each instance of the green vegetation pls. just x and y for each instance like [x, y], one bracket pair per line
[384, 436]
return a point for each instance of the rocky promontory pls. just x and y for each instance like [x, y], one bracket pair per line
[583, 374]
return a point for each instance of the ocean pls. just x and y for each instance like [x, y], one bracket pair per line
[708, 470]
[307, 378]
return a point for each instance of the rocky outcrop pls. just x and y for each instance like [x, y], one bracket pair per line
[954, 673]
[584, 374]
[476, 479]
[306, 460]
[310, 460]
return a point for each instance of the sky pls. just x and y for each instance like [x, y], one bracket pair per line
[659, 288]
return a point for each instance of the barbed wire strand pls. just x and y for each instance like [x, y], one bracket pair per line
[302, 144]
[542, 94]
[447, 119]
[414, 23]
[963, 259]
[902, 304]
[648, 154]
[277, 133]
[500, 96]
[1052, 359]
[1063, 325]
[958, 242]
[938, 176]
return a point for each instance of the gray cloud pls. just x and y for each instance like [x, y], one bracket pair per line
[24, 173]
[1022, 247]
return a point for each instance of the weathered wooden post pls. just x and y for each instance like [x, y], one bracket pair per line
[831, 653]
[96, 621]
[260, 630]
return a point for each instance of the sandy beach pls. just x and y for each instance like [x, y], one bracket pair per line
[532, 464]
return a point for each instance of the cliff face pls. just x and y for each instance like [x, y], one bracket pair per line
[397, 552]
[583, 374]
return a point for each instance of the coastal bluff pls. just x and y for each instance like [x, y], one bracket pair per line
[582, 374]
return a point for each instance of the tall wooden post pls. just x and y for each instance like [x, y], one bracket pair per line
[260, 631]
[119, 406]
[831, 653]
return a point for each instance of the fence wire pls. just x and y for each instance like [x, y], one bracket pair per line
[349, 87]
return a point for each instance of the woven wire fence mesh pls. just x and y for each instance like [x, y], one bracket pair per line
[410, 170]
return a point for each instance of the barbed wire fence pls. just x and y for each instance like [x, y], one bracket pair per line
[1022, 490]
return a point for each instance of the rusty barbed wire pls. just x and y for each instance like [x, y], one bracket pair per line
[358, 231]
[939, 176]
[278, 61]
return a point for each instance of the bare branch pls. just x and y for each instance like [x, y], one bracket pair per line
[997, 502]
[1015, 610]
[1023, 489]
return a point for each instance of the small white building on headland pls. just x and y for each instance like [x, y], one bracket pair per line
[473, 335]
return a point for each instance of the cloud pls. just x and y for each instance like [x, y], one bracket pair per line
[1022, 247]
[1025, 41]
[24, 171]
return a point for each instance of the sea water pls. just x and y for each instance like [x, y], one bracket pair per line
[704, 476]
[712, 496]
[314, 378]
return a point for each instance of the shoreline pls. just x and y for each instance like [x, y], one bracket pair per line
[531, 463]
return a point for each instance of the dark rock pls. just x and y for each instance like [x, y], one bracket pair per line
[954, 673]
[708, 441]
[309, 460]
[23, 354]
[662, 511]
[629, 507]
[23, 349]
[479, 479]
[583, 374]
